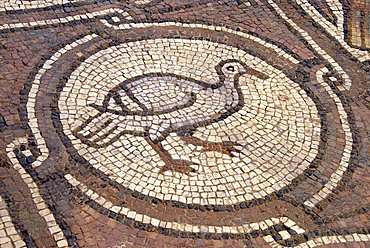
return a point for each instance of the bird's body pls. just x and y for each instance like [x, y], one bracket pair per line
[163, 104]
[155, 105]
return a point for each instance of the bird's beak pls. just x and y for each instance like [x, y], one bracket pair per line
[255, 73]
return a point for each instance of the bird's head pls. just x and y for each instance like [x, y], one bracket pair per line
[232, 68]
[230, 71]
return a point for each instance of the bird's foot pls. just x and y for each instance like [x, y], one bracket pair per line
[224, 148]
[178, 165]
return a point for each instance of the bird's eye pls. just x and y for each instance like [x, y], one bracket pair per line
[230, 68]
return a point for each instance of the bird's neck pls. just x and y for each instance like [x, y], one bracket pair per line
[229, 90]
[230, 81]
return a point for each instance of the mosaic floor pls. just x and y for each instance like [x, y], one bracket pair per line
[203, 123]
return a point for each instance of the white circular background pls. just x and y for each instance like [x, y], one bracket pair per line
[279, 125]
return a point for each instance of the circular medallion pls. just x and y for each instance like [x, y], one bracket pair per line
[193, 121]
[188, 127]
[150, 127]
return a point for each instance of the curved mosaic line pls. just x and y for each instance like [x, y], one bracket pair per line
[337, 8]
[347, 81]
[63, 20]
[12, 238]
[241, 229]
[336, 32]
[336, 177]
[281, 52]
[32, 120]
[183, 227]
[141, 25]
[32, 4]
[142, 2]
[324, 240]
[40, 204]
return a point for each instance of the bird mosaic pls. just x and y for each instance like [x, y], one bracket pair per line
[155, 105]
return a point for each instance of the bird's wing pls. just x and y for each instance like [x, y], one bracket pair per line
[157, 95]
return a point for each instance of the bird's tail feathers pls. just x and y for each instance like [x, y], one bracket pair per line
[98, 130]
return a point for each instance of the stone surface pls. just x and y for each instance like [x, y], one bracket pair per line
[184, 123]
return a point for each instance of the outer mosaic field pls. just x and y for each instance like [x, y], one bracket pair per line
[184, 123]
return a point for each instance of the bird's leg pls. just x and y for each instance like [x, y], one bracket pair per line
[175, 165]
[222, 147]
